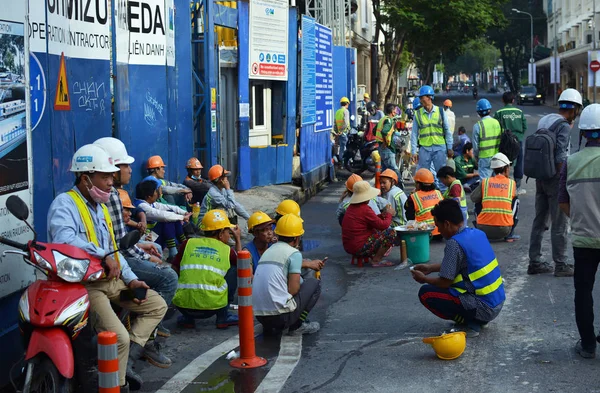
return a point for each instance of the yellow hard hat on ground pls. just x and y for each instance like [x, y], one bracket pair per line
[214, 220]
[258, 218]
[289, 225]
[448, 346]
[288, 206]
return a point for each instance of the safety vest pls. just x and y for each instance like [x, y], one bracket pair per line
[496, 205]
[396, 194]
[489, 137]
[379, 131]
[482, 268]
[431, 130]
[583, 186]
[340, 122]
[463, 198]
[424, 202]
[88, 223]
[202, 284]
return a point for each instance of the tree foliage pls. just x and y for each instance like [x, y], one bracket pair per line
[477, 56]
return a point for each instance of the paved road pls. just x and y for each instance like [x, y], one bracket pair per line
[372, 321]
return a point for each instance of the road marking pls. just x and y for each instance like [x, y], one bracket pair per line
[290, 351]
[527, 115]
[541, 115]
[466, 116]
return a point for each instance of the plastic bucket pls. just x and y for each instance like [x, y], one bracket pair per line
[417, 245]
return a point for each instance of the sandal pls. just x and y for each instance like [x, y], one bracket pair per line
[382, 264]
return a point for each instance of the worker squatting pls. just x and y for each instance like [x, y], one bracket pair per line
[76, 38]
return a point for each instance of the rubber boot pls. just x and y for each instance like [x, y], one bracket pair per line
[134, 380]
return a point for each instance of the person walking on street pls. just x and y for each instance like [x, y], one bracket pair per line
[384, 135]
[450, 115]
[486, 137]
[512, 118]
[431, 139]
[546, 192]
[578, 198]
[341, 126]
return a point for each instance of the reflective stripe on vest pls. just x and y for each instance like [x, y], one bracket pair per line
[202, 284]
[424, 202]
[482, 268]
[340, 121]
[431, 130]
[399, 217]
[379, 129]
[489, 137]
[463, 197]
[90, 229]
[496, 205]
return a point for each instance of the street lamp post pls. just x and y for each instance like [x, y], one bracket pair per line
[531, 60]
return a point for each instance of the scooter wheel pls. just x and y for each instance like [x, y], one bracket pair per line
[46, 378]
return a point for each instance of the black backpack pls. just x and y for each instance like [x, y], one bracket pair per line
[539, 153]
[509, 145]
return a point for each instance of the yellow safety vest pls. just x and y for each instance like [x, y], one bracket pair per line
[489, 137]
[379, 129]
[340, 122]
[431, 130]
[463, 197]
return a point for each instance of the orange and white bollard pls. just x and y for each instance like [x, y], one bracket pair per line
[248, 358]
[377, 158]
[108, 363]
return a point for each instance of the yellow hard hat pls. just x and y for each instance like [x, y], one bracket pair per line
[448, 346]
[366, 95]
[344, 100]
[258, 218]
[289, 225]
[288, 206]
[214, 220]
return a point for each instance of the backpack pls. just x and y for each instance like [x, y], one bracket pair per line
[509, 145]
[539, 153]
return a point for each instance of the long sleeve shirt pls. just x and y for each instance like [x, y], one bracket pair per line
[563, 138]
[477, 135]
[66, 227]
[222, 199]
[451, 119]
[199, 188]
[359, 223]
[115, 209]
[511, 118]
[414, 135]
[563, 194]
[170, 188]
[162, 212]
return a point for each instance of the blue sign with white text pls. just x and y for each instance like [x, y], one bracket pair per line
[308, 102]
[324, 78]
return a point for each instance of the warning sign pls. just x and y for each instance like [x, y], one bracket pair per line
[62, 100]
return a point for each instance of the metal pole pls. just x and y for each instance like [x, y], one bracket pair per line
[555, 60]
[594, 40]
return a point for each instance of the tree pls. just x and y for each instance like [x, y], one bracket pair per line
[478, 55]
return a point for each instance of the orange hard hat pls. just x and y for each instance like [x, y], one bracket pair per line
[351, 180]
[448, 103]
[391, 174]
[194, 163]
[155, 162]
[424, 176]
[217, 171]
[125, 199]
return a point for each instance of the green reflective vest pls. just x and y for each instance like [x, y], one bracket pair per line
[489, 137]
[340, 121]
[463, 198]
[431, 130]
[202, 284]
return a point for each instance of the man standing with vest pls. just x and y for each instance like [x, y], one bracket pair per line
[431, 138]
[80, 218]
[384, 135]
[420, 203]
[469, 289]
[497, 203]
[512, 118]
[486, 137]
[578, 197]
[342, 126]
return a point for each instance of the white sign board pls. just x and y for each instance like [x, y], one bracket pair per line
[531, 71]
[555, 69]
[269, 39]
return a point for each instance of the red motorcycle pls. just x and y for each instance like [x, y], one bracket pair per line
[53, 312]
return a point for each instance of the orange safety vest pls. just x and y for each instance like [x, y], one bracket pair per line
[424, 203]
[496, 205]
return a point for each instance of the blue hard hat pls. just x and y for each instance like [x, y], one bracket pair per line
[426, 91]
[483, 105]
[416, 103]
[155, 180]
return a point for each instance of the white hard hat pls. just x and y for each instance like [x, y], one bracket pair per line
[499, 160]
[570, 96]
[92, 158]
[116, 149]
[590, 118]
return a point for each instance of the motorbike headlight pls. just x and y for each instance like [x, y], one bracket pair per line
[69, 269]
[24, 306]
[41, 262]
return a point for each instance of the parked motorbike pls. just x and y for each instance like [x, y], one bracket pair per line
[53, 312]
[357, 157]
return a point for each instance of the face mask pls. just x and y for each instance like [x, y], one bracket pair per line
[97, 194]
[195, 177]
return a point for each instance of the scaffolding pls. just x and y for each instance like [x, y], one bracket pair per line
[335, 14]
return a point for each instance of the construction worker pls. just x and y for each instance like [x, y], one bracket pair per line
[578, 197]
[171, 191]
[341, 126]
[497, 202]
[466, 168]
[281, 298]
[207, 269]
[195, 182]
[486, 137]
[461, 141]
[418, 206]
[455, 189]
[450, 115]
[377, 204]
[431, 138]
[384, 135]
[395, 197]
[80, 218]
[512, 118]
[287, 206]
[220, 196]
[469, 289]
[260, 225]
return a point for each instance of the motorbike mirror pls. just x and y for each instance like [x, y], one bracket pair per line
[352, 118]
[129, 240]
[17, 207]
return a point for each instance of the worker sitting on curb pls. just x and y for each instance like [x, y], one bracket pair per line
[261, 226]
[394, 196]
[421, 202]
[281, 298]
[466, 168]
[364, 233]
[195, 182]
[455, 190]
[497, 203]
[377, 203]
[171, 191]
[469, 288]
[220, 196]
[207, 269]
